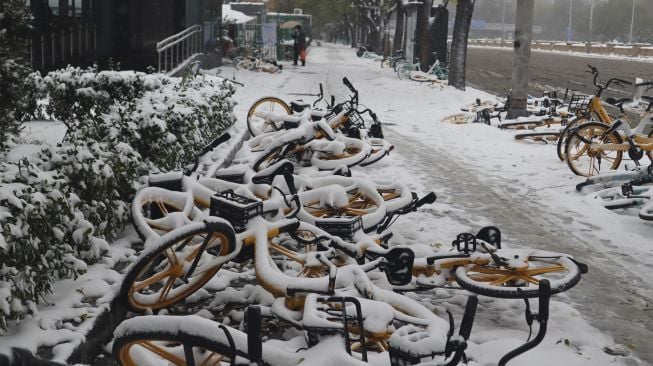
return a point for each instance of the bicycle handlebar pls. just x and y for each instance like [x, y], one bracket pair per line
[208, 148]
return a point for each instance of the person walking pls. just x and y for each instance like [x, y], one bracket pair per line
[299, 46]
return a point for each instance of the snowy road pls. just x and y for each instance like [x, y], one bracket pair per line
[490, 69]
[483, 177]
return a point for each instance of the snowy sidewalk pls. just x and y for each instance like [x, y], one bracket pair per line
[483, 176]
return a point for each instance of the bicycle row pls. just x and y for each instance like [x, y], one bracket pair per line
[318, 240]
[435, 74]
[590, 140]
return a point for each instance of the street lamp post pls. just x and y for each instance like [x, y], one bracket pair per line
[590, 35]
[503, 21]
[632, 23]
[569, 31]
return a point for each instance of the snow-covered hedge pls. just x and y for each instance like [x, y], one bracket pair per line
[58, 209]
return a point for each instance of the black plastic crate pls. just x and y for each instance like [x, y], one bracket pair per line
[236, 209]
[342, 226]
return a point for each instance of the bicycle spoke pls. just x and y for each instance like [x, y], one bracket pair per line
[213, 359]
[167, 287]
[162, 353]
[152, 280]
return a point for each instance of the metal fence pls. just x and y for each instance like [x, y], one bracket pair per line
[177, 48]
[62, 45]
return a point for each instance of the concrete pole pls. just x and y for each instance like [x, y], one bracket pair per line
[523, 36]
[503, 21]
[590, 33]
[569, 31]
[632, 22]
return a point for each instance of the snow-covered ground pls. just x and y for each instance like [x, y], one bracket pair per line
[481, 176]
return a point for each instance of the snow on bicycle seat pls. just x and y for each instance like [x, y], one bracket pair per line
[319, 113]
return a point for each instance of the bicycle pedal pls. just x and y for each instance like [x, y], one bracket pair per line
[627, 189]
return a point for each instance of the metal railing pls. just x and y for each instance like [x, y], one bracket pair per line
[177, 48]
[63, 44]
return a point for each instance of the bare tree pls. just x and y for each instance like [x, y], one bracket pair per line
[458, 58]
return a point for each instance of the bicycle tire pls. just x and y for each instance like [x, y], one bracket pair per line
[459, 118]
[151, 202]
[354, 153]
[380, 148]
[646, 213]
[267, 159]
[562, 140]
[538, 136]
[579, 149]
[144, 347]
[465, 280]
[254, 122]
[144, 275]
[650, 153]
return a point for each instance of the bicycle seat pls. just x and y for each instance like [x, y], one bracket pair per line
[299, 106]
[647, 98]
[266, 176]
[617, 102]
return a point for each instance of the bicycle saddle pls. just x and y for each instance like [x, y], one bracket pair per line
[266, 175]
[647, 97]
[617, 102]
[299, 106]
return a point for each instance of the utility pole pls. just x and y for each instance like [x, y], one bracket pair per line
[569, 31]
[523, 36]
[503, 21]
[590, 35]
[632, 23]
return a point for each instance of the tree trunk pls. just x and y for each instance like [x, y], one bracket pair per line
[457, 64]
[439, 34]
[398, 42]
[423, 46]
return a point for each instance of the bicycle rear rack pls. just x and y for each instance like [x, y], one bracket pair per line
[346, 320]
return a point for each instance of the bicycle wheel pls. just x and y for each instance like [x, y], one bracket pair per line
[585, 162]
[562, 140]
[423, 77]
[404, 70]
[538, 136]
[459, 118]
[156, 211]
[329, 155]
[158, 340]
[160, 277]
[268, 159]
[261, 113]
[646, 213]
[514, 283]
[380, 148]
[650, 153]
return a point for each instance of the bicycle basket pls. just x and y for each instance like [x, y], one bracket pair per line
[236, 209]
[579, 103]
[355, 120]
[342, 226]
